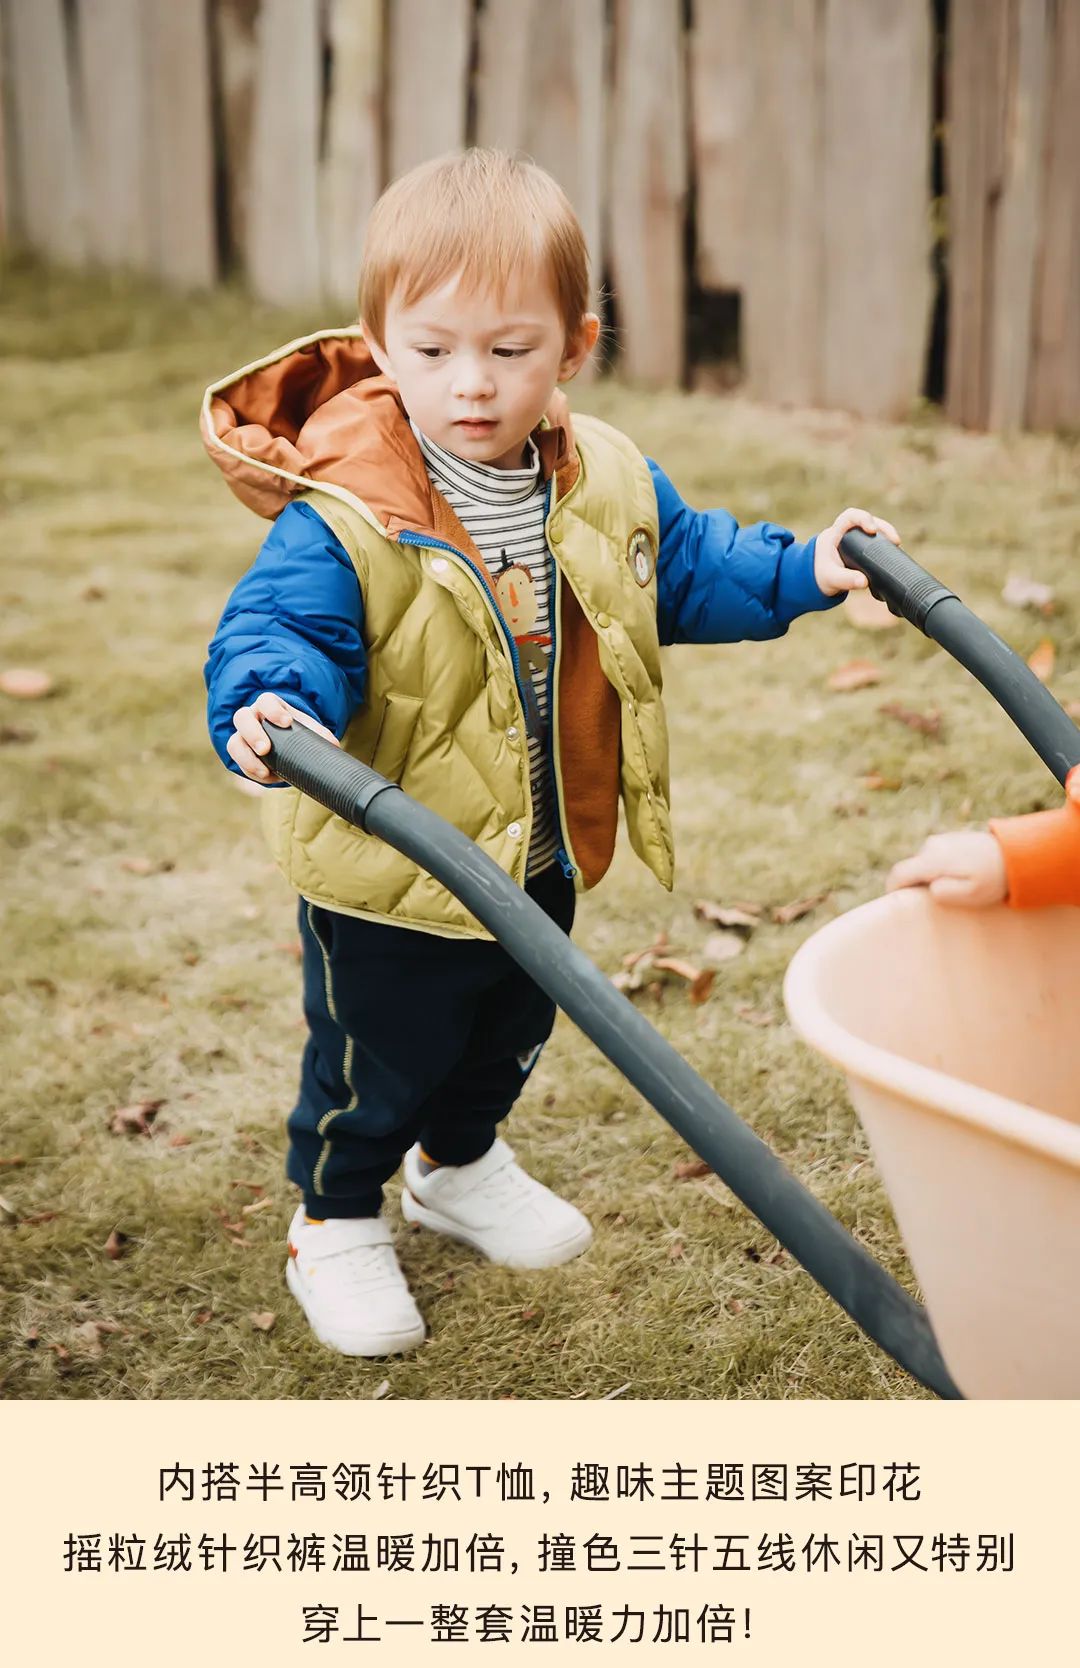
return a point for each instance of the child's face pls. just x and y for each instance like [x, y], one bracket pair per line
[476, 371]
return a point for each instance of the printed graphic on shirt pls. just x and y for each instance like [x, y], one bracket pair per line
[515, 593]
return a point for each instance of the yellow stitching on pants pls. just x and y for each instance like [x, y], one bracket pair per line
[346, 1067]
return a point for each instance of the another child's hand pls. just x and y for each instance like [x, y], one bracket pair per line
[249, 740]
[964, 869]
[830, 570]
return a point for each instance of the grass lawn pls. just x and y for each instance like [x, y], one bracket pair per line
[150, 945]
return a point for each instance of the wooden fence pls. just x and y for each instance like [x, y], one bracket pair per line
[779, 150]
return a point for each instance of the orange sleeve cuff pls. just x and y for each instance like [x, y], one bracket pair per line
[1042, 854]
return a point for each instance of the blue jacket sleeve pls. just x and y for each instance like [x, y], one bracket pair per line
[718, 582]
[292, 625]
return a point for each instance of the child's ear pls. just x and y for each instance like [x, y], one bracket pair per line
[376, 350]
[579, 346]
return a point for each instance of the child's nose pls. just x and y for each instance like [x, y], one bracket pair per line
[473, 380]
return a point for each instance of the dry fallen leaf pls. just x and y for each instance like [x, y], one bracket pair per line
[147, 865]
[865, 611]
[8, 1213]
[89, 1334]
[381, 1390]
[26, 683]
[658, 947]
[700, 982]
[784, 914]
[926, 723]
[12, 1163]
[180, 1140]
[135, 1119]
[1042, 660]
[856, 674]
[877, 783]
[115, 1245]
[723, 946]
[1021, 592]
[753, 1016]
[676, 1251]
[38, 1217]
[264, 1320]
[743, 917]
[691, 1170]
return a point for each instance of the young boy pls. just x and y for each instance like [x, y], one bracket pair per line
[469, 593]
[1023, 861]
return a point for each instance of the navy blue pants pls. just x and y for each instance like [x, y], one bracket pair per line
[411, 1038]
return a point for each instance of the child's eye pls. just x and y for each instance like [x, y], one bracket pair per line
[511, 352]
[431, 352]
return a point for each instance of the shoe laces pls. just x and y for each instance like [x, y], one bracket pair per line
[357, 1268]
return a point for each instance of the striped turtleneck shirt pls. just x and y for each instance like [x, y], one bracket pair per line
[503, 512]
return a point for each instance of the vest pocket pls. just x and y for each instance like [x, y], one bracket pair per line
[395, 733]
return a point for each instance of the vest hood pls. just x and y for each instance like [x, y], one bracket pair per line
[320, 412]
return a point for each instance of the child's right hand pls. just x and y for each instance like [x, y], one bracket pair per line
[249, 740]
[959, 868]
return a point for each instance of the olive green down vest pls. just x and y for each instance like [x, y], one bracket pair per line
[443, 717]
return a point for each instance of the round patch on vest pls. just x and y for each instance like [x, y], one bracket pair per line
[642, 556]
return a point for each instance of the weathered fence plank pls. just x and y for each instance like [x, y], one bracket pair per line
[540, 88]
[1054, 396]
[428, 95]
[282, 244]
[1018, 213]
[648, 188]
[237, 54]
[5, 153]
[352, 169]
[783, 296]
[47, 210]
[722, 128]
[115, 123]
[873, 217]
[978, 54]
[180, 147]
[996, 156]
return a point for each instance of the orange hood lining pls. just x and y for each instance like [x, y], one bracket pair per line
[320, 412]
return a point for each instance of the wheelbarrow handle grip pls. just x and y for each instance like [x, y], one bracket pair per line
[895, 579]
[917, 596]
[314, 765]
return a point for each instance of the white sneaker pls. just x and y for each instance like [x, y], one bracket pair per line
[494, 1206]
[345, 1276]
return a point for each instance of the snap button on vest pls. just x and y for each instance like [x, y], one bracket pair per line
[514, 830]
[603, 621]
[439, 565]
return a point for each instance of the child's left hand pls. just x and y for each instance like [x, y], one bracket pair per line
[830, 570]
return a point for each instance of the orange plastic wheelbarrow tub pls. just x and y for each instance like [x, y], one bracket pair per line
[961, 1047]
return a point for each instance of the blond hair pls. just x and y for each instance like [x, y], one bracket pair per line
[482, 214]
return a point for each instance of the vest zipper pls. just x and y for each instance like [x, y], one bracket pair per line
[493, 607]
[562, 856]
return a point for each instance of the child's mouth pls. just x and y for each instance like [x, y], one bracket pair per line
[476, 425]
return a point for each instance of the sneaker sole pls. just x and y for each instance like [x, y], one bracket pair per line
[376, 1344]
[550, 1257]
